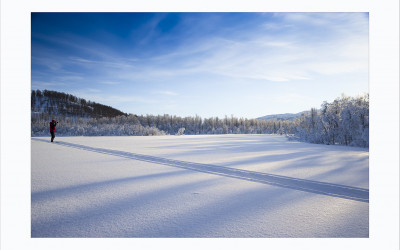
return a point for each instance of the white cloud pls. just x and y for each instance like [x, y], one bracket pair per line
[167, 92]
[345, 20]
[81, 60]
[288, 57]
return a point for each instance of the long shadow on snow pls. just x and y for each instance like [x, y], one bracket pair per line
[90, 187]
[330, 189]
[251, 144]
[82, 222]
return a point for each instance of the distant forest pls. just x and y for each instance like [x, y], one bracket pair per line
[344, 121]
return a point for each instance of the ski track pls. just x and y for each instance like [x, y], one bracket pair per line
[323, 188]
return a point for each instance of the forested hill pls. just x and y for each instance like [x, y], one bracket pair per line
[55, 103]
[282, 117]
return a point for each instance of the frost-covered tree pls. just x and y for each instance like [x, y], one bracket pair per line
[344, 121]
[181, 131]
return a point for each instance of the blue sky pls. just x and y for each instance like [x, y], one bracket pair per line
[210, 64]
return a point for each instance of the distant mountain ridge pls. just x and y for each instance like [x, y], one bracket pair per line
[61, 104]
[281, 117]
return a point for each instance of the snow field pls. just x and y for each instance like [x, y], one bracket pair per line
[82, 188]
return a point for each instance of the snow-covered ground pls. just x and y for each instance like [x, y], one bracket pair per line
[197, 186]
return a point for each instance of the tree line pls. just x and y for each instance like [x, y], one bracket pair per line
[153, 125]
[344, 121]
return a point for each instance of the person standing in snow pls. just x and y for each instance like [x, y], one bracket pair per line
[53, 125]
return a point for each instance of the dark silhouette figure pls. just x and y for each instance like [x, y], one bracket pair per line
[53, 125]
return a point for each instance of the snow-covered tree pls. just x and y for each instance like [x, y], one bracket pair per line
[344, 121]
[181, 131]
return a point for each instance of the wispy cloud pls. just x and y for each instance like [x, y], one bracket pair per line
[275, 58]
[146, 65]
[278, 58]
[167, 93]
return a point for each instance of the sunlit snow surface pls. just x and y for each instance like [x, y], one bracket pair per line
[197, 186]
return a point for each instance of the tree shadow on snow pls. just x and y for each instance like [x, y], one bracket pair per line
[323, 188]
